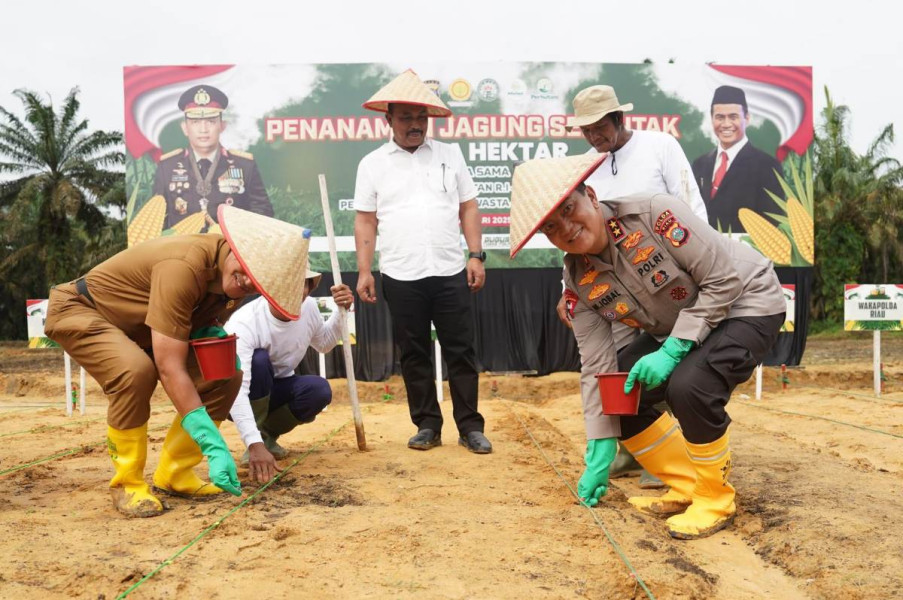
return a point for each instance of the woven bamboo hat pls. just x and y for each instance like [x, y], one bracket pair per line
[408, 89]
[593, 103]
[539, 186]
[273, 254]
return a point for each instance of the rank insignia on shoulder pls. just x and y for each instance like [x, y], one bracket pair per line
[616, 229]
[679, 293]
[663, 222]
[642, 254]
[598, 290]
[589, 277]
[677, 234]
[630, 323]
[632, 240]
[241, 154]
[659, 278]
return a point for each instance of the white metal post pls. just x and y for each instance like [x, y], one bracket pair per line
[438, 370]
[759, 382]
[81, 388]
[876, 350]
[68, 362]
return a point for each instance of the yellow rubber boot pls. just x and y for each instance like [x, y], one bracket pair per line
[175, 474]
[713, 505]
[662, 451]
[128, 451]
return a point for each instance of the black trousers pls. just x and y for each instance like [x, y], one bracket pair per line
[446, 302]
[701, 385]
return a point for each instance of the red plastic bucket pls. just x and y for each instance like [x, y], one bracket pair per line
[614, 400]
[216, 356]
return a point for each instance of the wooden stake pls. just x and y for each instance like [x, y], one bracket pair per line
[346, 338]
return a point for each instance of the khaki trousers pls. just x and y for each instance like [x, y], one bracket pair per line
[125, 371]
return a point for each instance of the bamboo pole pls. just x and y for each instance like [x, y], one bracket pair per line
[346, 338]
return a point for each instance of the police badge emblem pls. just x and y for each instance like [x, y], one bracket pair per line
[181, 206]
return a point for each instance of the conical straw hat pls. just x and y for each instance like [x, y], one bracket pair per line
[408, 89]
[273, 254]
[539, 186]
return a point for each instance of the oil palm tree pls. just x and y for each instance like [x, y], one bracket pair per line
[57, 177]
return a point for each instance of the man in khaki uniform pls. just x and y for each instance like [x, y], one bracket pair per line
[128, 322]
[710, 308]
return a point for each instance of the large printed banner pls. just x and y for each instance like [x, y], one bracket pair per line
[870, 307]
[284, 124]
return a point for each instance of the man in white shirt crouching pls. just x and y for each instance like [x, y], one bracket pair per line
[273, 400]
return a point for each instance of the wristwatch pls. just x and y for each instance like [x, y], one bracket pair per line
[479, 255]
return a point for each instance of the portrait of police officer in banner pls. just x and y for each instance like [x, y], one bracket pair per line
[204, 175]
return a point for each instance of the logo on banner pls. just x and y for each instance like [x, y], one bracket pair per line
[460, 90]
[517, 88]
[488, 90]
[544, 88]
[433, 84]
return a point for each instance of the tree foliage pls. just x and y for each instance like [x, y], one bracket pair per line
[61, 201]
[858, 212]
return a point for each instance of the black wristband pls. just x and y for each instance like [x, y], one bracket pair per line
[479, 255]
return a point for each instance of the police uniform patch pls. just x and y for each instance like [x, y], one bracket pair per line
[679, 293]
[570, 302]
[632, 240]
[622, 308]
[677, 234]
[643, 254]
[598, 290]
[589, 277]
[663, 222]
[616, 229]
[181, 206]
[610, 315]
[659, 278]
[630, 323]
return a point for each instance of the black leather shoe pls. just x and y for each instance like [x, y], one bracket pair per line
[425, 439]
[476, 442]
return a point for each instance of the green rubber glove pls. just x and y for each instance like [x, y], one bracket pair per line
[655, 368]
[594, 481]
[212, 331]
[219, 462]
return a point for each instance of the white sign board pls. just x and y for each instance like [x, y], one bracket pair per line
[873, 307]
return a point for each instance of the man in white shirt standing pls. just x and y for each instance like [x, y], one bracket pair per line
[414, 191]
[273, 400]
[638, 162]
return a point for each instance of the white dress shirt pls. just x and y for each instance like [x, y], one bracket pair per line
[732, 153]
[416, 197]
[651, 161]
[287, 343]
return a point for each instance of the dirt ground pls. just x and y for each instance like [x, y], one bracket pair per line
[819, 500]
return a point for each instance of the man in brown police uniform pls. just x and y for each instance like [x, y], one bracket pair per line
[128, 323]
[206, 175]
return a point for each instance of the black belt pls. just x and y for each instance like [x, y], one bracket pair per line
[81, 286]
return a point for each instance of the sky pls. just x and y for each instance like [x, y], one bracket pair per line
[52, 46]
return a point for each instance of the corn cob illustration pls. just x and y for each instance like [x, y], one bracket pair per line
[214, 228]
[148, 223]
[770, 240]
[190, 224]
[802, 228]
